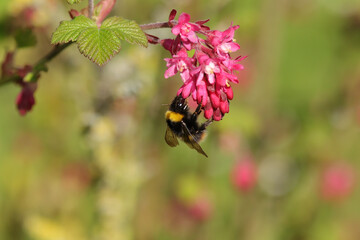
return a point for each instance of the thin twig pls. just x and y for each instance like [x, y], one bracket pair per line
[53, 53]
[12, 78]
[158, 25]
[39, 66]
[91, 8]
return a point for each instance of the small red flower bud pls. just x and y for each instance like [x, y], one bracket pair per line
[215, 100]
[74, 13]
[209, 111]
[217, 115]
[172, 15]
[152, 39]
[229, 93]
[224, 107]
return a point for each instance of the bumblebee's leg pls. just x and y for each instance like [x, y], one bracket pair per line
[198, 109]
[196, 113]
[205, 124]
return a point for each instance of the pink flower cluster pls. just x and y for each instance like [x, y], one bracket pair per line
[208, 72]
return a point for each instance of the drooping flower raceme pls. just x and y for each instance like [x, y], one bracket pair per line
[207, 74]
[25, 100]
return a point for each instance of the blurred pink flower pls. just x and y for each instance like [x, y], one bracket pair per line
[200, 209]
[244, 175]
[337, 181]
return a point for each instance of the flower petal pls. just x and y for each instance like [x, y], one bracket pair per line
[188, 88]
[171, 71]
[184, 18]
[193, 37]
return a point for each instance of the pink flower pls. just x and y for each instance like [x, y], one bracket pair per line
[244, 175]
[207, 66]
[186, 30]
[223, 42]
[337, 181]
[25, 100]
[233, 65]
[179, 62]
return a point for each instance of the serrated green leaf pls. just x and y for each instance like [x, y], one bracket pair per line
[126, 30]
[25, 37]
[99, 44]
[70, 30]
[73, 1]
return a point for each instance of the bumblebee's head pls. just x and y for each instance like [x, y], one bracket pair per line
[179, 105]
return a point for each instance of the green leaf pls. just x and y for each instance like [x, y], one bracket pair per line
[25, 37]
[70, 30]
[99, 44]
[73, 1]
[126, 30]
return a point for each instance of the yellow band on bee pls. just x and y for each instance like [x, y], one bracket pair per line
[173, 116]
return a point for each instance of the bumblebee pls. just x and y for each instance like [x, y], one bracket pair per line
[183, 124]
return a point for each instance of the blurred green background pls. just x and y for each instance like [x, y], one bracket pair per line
[90, 161]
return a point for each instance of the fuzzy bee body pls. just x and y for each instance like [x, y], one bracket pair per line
[183, 124]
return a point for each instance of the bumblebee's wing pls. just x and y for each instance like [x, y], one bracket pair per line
[190, 140]
[170, 138]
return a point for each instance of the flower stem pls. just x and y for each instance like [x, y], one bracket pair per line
[158, 25]
[53, 53]
[9, 79]
[39, 66]
[91, 8]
